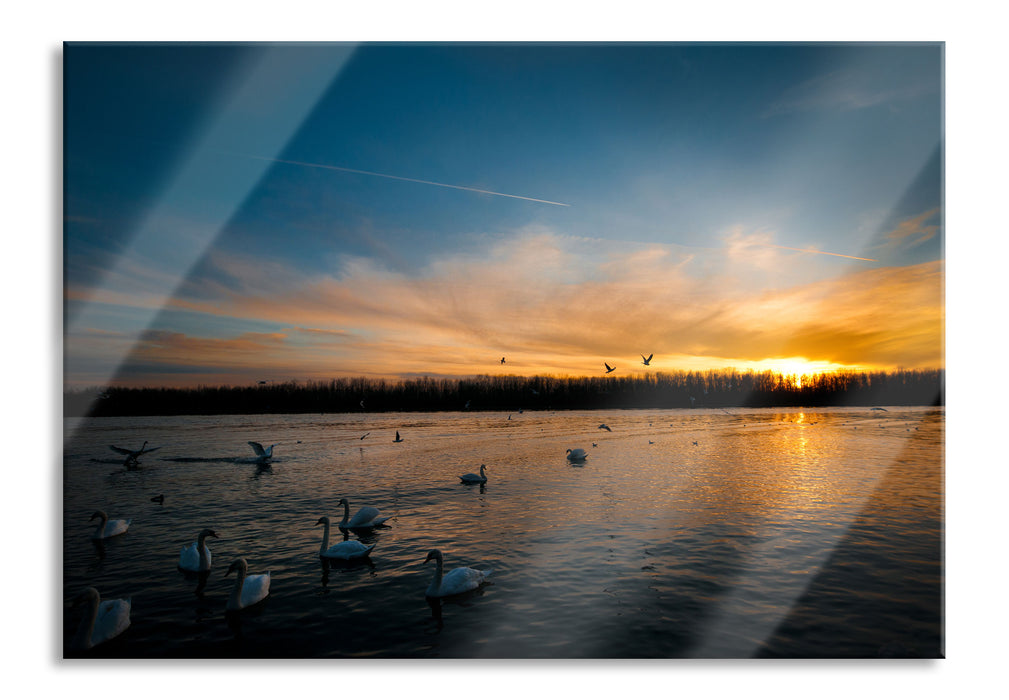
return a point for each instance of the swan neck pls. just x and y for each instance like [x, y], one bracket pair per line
[82, 640]
[325, 538]
[201, 550]
[236, 593]
[346, 512]
[439, 566]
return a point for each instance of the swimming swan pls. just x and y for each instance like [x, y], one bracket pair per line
[577, 455]
[348, 549]
[102, 621]
[455, 581]
[263, 452]
[471, 478]
[366, 517]
[248, 590]
[197, 557]
[108, 528]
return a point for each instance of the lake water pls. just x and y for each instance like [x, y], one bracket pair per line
[686, 533]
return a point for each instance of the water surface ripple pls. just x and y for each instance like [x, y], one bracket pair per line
[792, 533]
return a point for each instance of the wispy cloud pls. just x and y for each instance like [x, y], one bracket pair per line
[845, 90]
[914, 231]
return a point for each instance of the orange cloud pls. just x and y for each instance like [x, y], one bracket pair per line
[563, 305]
[913, 231]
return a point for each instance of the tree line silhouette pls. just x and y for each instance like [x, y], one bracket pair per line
[678, 389]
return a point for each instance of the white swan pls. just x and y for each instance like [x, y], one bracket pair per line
[577, 455]
[365, 517]
[348, 549]
[197, 557]
[108, 528]
[102, 620]
[248, 590]
[455, 581]
[471, 478]
[263, 452]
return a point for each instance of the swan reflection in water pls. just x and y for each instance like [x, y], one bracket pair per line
[463, 600]
[201, 578]
[435, 604]
[343, 565]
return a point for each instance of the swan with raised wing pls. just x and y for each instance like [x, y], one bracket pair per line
[264, 453]
[456, 581]
[197, 557]
[108, 528]
[249, 589]
[472, 478]
[366, 517]
[346, 550]
[103, 619]
[133, 456]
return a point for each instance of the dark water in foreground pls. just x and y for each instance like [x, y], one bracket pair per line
[779, 533]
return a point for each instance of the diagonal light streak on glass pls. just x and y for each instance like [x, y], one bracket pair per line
[263, 112]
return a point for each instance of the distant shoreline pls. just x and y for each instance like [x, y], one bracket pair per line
[713, 389]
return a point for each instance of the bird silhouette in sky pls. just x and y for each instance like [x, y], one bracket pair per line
[608, 368]
[646, 360]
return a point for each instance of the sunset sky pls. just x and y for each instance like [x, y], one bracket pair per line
[241, 213]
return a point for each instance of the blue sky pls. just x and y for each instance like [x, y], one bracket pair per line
[215, 229]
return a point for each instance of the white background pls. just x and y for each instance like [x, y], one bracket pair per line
[31, 189]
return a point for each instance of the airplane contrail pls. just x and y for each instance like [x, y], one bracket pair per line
[408, 179]
[818, 252]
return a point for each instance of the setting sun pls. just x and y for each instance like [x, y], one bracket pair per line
[797, 367]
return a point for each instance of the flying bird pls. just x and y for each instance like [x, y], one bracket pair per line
[261, 452]
[502, 360]
[608, 368]
[364, 436]
[603, 426]
[132, 456]
[398, 438]
[160, 498]
[646, 360]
